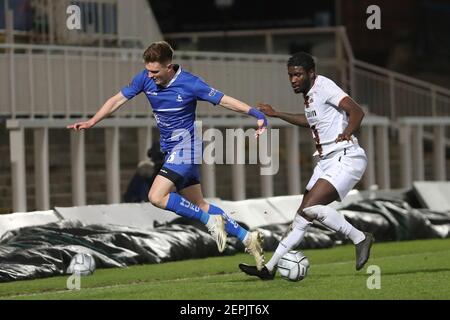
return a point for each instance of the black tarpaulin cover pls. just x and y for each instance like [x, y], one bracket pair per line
[35, 252]
[43, 251]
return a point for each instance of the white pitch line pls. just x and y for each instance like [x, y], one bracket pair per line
[188, 278]
[113, 286]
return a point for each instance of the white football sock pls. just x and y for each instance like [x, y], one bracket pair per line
[291, 241]
[335, 221]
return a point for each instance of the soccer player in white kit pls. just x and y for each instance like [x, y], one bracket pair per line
[333, 117]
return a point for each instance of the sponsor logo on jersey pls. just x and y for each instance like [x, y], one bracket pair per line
[160, 122]
[212, 93]
[310, 114]
[152, 93]
[179, 98]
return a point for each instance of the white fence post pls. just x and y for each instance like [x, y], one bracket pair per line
[78, 167]
[41, 170]
[368, 143]
[208, 180]
[439, 153]
[144, 142]
[383, 163]
[293, 160]
[417, 148]
[208, 169]
[18, 174]
[405, 155]
[112, 164]
[238, 171]
[266, 149]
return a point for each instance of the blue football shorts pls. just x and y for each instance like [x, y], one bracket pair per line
[181, 168]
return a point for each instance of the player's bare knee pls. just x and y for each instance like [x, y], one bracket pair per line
[156, 199]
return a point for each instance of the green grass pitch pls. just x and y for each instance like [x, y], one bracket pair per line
[409, 270]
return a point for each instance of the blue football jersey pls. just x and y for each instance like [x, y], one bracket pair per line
[174, 105]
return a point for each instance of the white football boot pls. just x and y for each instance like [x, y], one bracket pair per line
[217, 230]
[254, 246]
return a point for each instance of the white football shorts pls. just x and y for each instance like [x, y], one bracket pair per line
[343, 169]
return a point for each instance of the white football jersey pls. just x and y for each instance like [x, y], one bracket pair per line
[325, 117]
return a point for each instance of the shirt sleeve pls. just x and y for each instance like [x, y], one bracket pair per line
[204, 92]
[134, 88]
[334, 93]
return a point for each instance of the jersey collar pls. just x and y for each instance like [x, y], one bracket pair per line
[174, 77]
[311, 90]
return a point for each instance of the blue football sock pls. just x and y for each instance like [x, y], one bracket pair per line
[186, 209]
[231, 227]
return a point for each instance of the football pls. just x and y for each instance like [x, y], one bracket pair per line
[293, 266]
[82, 264]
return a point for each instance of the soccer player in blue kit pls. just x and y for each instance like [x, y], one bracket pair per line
[173, 94]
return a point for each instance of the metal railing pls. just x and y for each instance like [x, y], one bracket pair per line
[58, 81]
[63, 81]
[395, 95]
[392, 94]
[374, 137]
[411, 138]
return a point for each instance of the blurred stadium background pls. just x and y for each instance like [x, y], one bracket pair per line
[51, 76]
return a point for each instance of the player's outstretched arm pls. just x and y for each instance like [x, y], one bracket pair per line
[239, 106]
[111, 105]
[355, 116]
[297, 119]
